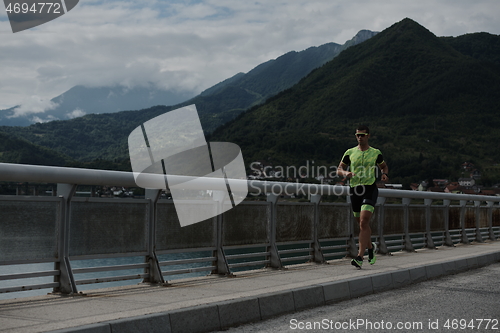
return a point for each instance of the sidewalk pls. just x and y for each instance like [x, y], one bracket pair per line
[214, 302]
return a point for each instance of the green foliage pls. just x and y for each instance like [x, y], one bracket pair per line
[19, 151]
[481, 46]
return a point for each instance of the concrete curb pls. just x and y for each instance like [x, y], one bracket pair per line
[222, 315]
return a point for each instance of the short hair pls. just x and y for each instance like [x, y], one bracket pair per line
[363, 128]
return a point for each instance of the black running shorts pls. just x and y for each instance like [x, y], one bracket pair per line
[363, 197]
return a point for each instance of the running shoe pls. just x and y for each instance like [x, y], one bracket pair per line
[357, 262]
[371, 254]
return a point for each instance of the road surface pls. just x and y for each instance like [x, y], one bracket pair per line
[465, 302]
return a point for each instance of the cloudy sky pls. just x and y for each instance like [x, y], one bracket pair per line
[194, 44]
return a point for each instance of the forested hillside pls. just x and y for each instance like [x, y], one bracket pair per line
[429, 106]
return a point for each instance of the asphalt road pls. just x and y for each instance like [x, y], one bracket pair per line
[466, 302]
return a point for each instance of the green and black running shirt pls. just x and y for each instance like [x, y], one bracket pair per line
[363, 164]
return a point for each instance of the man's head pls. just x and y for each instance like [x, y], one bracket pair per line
[363, 128]
[362, 134]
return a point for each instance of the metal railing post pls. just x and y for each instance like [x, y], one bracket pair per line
[382, 246]
[428, 217]
[465, 239]
[479, 237]
[490, 220]
[221, 264]
[154, 270]
[408, 246]
[274, 259]
[447, 236]
[317, 253]
[65, 278]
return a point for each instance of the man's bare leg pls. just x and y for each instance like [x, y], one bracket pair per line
[365, 232]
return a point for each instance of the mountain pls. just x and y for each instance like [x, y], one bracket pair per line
[81, 100]
[104, 137]
[226, 100]
[216, 105]
[429, 106]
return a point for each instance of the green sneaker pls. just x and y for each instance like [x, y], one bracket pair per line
[371, 254]
[357, 262]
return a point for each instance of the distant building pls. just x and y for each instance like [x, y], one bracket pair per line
[472, 170]
[454, 187]
[466, 182]
[472, 191]
[391, 186]
[440, 182]
[327, 180]
[468, 166]
[488, 192]
[423, 185]
[475, 174]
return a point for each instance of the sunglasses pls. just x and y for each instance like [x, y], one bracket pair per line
[359, 135]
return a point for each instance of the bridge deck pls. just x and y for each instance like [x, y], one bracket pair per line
[214, 302]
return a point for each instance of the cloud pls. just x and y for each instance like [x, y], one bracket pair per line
[75, 114]
[37, 119]
[191, 45]
[50, 72]
[35, 104]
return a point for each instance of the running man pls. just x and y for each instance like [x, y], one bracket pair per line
[363, 161]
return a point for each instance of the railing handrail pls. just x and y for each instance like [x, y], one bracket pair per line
[80, 176]
[388, 193]
[64, 175]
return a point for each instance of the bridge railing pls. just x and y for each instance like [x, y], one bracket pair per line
[94, 240]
